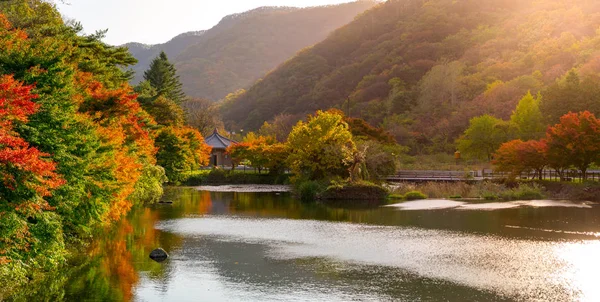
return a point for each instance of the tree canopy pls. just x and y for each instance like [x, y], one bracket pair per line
[484, 136]
[320, 147]
[77, 149]
[528, 119]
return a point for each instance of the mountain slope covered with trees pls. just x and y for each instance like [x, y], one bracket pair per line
[145, 53]
[423, 69]
[243, 47]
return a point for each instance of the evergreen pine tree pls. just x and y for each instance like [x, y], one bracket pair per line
[162, 75]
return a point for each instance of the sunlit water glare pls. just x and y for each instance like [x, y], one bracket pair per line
[520, 269]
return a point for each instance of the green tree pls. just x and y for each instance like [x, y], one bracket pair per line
[164, 111]
[528, 118]
[320, 147]
[572, 93]
[163, 77]
[484, 136]
[181, 150]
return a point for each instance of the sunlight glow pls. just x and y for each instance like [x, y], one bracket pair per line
[582, 269]
[156, 21]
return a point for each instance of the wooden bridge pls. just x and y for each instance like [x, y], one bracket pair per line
[434, 176]
[486, 174]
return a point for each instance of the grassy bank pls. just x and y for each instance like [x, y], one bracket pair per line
[222, 177]
[459, 190]
[524, 190]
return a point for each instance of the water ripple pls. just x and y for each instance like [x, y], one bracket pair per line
[523, 269]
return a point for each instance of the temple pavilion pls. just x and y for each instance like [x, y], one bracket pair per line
[219, 143]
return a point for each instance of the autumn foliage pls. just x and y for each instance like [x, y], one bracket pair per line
[262, 152]
[574, 142]
[577, 138]
[27, 176]
[77, 150]
[518, 156]
[22, 166]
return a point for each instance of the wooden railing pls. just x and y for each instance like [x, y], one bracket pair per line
[431, 176]
[419, 175]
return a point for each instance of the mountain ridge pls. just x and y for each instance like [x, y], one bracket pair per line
[422, 69]
[242, 47]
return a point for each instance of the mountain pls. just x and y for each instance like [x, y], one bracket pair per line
[422, 69]
[145, 53]
[243, 47]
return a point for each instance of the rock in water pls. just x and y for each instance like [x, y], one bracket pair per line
[159, 255]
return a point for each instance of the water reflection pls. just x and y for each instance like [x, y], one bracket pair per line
[266, 246]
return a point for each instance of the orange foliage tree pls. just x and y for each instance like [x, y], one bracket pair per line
[574, 142]
[518, 156]
[27, 177]
[577, 138]
[124, 128]
[238, 152]
[262, 152]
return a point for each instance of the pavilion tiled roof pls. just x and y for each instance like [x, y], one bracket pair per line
[217, 141]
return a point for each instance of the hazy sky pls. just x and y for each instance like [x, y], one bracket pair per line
[157, 21]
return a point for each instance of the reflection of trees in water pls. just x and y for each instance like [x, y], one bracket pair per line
[109, 270]
[284, 206]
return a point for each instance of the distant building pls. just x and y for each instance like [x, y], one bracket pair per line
[219, 143]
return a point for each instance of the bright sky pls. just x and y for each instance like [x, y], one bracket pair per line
[157, 21]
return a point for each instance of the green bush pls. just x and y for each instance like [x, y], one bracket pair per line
[362, 190]
[455, 197]
[196, 178]
[523, 192]
[217, 176]
[149, 187]
[489, 196]
[414, 195]
[309, 190]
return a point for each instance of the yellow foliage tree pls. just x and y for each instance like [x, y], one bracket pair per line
[321, 147]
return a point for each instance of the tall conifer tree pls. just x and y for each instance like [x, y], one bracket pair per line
[162, 75]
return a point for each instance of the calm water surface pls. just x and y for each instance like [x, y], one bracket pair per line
[269, 247]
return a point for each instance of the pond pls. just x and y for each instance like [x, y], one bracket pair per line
[266, 246]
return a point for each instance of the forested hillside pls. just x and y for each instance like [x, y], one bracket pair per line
[145, 53]
[422, 69]
[243, 47]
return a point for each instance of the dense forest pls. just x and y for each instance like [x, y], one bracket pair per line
[423, 69]
[78, 148]
[243, 47]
